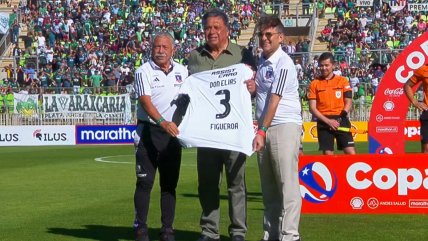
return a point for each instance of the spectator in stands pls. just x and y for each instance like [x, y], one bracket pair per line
[44, 80]
[96, 80]
[20, 76]
[320, 7]
[286, 8]
[377, 76]
[299, 69]
[290, 48]
[9, 72]
[68, 28]
[15, 32]
[354, 82]
[305, 6]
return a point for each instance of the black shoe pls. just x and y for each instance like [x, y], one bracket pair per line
[206, 238]
[238, 238]
[167, 236]
[141, 235]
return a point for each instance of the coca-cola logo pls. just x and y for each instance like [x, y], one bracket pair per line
[394, 92]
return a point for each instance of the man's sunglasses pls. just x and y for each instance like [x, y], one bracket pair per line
[267, 34]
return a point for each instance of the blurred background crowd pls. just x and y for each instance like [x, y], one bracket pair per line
[98, 43]
[94, 46]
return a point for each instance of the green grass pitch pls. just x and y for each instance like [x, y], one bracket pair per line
[86, 193]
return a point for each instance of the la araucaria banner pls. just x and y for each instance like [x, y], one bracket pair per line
[63, 105]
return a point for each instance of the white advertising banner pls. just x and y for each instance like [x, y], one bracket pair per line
[37, 135]
[62, 105]
[365, 3]
[417, 7]
[291, 22]
[4, 22]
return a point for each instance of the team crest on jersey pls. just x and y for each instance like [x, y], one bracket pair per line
[269, 73]
[178, 78]
[338, 94]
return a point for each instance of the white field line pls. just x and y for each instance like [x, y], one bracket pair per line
[104, 159]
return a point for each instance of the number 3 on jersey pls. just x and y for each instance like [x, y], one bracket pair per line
[224, 102]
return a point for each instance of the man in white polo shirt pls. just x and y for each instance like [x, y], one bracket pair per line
[278, 138]
[156, 85]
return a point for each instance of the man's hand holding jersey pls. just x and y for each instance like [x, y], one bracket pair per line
[170, 127]
[251, 84]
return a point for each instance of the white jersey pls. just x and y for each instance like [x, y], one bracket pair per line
[162, 88]
[219, 112]
[278, 75]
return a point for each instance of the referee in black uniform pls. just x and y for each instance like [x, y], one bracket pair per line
[156, 85]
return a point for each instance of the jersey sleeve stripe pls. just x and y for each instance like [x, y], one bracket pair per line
[139, 90]
[281, 81]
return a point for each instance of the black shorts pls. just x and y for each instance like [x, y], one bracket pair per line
[326, 136]
[423, 119]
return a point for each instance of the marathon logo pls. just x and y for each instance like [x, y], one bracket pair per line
[386, 129]
[418, 203]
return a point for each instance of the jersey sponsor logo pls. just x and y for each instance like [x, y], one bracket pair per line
[178, 78]
[338, 94]
[269, 73]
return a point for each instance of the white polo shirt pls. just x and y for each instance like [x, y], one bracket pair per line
[162, 88]
[278, 75]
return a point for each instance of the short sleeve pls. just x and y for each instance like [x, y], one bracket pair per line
[346, 86]
[141, 84]
[283, 76]
[311, 93]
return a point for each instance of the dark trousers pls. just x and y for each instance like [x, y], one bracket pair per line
[156, 150]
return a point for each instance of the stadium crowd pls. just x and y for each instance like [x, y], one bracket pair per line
[94, 46]
[99, 44]
[365, 40]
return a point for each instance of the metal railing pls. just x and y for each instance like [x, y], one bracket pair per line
[359, 112]
[13, 119]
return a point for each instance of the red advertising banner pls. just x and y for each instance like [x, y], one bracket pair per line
[390, 104]
[396, 183]
[412, 131]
